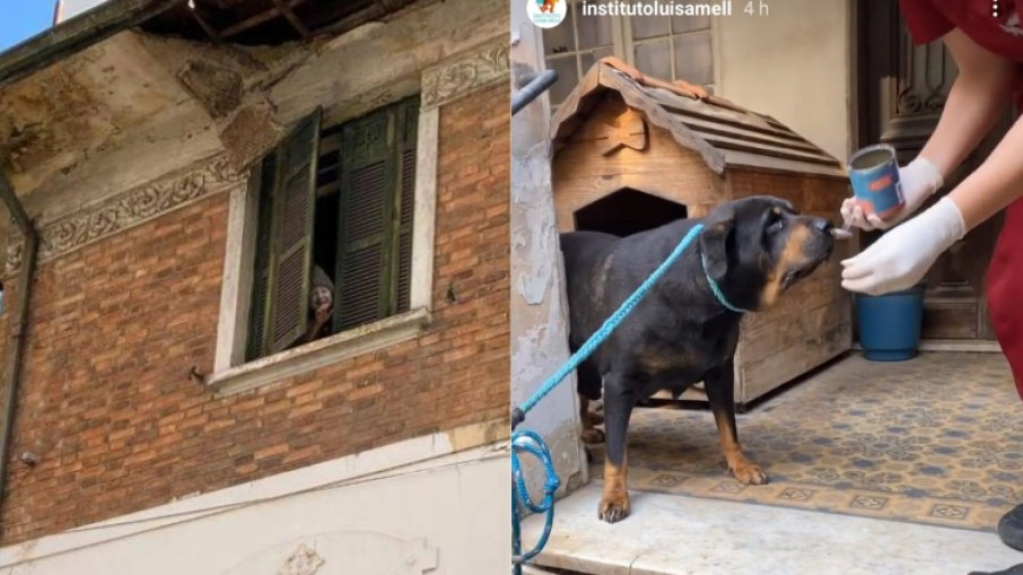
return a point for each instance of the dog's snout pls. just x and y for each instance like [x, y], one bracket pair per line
[822, 225]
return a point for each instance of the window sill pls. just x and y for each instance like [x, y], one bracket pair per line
[326, 351]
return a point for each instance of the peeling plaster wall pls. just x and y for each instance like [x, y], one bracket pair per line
[419, 40]
[136, 107]
[91, 104]
[81, 107]
[539, 324]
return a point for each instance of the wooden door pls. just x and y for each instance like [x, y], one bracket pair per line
[902, 90]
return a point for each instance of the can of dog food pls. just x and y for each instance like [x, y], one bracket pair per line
[874, 173]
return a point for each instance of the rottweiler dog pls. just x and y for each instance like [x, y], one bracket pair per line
[751, 251]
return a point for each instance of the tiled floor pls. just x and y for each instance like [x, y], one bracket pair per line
[934, 441]
[938, 439]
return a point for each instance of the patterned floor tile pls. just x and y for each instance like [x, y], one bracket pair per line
[936, 440]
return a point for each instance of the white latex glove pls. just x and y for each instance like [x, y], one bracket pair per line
[901, 257]
[920, 179]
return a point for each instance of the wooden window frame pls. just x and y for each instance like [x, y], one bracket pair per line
[623, 46]
[232, 373]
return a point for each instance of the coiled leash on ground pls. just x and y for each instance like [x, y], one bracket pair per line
[526, 441]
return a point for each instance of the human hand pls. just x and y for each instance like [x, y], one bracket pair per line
[919, 179]
[322, 303]
[323, 314]
[901, 258]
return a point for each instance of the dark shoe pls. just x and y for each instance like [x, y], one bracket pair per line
[1010, 528]
[1017, 570]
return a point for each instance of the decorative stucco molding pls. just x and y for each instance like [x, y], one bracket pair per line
[127, 210]
[345, 551]
[466, 73]
[304, 561]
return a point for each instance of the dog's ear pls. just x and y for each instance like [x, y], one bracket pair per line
[779, 202]
[715, 241]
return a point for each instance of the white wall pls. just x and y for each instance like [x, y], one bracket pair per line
[539, 320]
[71, 8]
[793, 64]
[446, 515]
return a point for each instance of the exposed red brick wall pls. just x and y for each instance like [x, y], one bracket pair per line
[115, 328]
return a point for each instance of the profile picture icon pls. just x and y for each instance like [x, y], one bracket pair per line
[547, 13]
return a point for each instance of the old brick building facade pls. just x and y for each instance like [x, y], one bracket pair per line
[135, 391]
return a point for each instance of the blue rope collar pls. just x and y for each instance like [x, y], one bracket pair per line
[714, 287]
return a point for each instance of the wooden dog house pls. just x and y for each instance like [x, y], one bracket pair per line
[632, 153]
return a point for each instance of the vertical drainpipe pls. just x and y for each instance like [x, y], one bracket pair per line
[16, 344]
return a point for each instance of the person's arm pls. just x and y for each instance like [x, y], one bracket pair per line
[902, 257]
[995, 184]
[979, 95]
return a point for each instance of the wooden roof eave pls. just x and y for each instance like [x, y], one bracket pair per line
[602, 78]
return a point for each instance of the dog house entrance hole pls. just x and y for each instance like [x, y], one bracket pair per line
[628, 212]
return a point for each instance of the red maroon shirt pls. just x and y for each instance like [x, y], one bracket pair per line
[929, 20]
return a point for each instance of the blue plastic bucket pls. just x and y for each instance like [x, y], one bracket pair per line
[890, 324]
[874, 173]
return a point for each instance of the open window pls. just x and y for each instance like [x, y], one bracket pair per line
[335, 213]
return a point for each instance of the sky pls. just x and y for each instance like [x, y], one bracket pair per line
[22, 19]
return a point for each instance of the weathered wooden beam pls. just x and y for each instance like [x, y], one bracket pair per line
[256, 20]
[76, 35]
[377, 10]
[293, 18]
[205, 24]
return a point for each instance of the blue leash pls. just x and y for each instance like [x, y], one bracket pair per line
[529, 442]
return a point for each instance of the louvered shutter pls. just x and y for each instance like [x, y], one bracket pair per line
[290, 265]
[367, 181]
[378, 173]
[258, 314]
[409, 116]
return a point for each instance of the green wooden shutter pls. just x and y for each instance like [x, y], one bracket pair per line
[367, 178]
[290, 264]
[409, 114]
[378, 171]
[261, 267]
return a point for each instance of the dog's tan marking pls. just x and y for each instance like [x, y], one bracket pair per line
[744, 470]
[792, 255]
[615, 505]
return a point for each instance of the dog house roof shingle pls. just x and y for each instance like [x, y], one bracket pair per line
[723, 133]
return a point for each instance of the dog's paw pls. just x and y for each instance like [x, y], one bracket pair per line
[749, 473]
[614, 508]
[592, 436]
